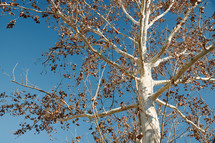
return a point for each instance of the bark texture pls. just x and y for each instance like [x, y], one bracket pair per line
[148, 116]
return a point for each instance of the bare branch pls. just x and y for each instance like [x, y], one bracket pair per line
[103, 114]
[125, 54]
[31, 87]
[160, 82]
[25, 8]
[110, 24]
[26, 76]
[104, 58]
[138, 5]
[163, 117]
[43, 91]
[179, 136]
[160, 16]
[94, 105]
[175, 29]
[128, 15]
[98, 87]
[14, 71]
[181, 114]
[183, 70]
[145, 12]
[167, 58]
[205, 78]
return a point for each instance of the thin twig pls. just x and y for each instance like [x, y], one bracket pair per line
[163, 118]
[43, 91]
[25, 8]
[161, 15]
[181, 114]
[14, 71]
[95, 113]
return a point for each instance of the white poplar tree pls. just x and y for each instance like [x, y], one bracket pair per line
[143, 51]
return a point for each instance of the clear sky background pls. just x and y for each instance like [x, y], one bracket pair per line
[24, 45]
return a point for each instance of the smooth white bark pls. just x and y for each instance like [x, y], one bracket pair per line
[149, 123]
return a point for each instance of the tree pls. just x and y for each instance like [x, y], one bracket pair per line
[136, 57]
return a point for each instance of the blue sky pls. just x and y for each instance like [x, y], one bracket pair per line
[24, 45]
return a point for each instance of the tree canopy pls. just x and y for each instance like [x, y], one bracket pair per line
[129, 68]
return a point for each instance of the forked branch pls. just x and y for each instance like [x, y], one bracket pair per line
[43, 91]
[183, 70]
[128, 15]
[181, 114]
[119, 51]
[175, 29]
[161, 15]
[111, 24]
[168, 58]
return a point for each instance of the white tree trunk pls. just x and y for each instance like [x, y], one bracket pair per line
[149, 123]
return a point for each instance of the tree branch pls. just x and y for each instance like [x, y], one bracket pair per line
[31, 87]
[128, 15]
[56, 48]
[183, 70]
[160, 82]
[103, 114]
[25, 8]
[125, 54]
[103, 57]
[94, 104]
[181, 114]
[205, 78]
[60, 14]
[145, 11]
[175, 29]
[161, 15]
[110, 24]
[167, 58]
[49, 94]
